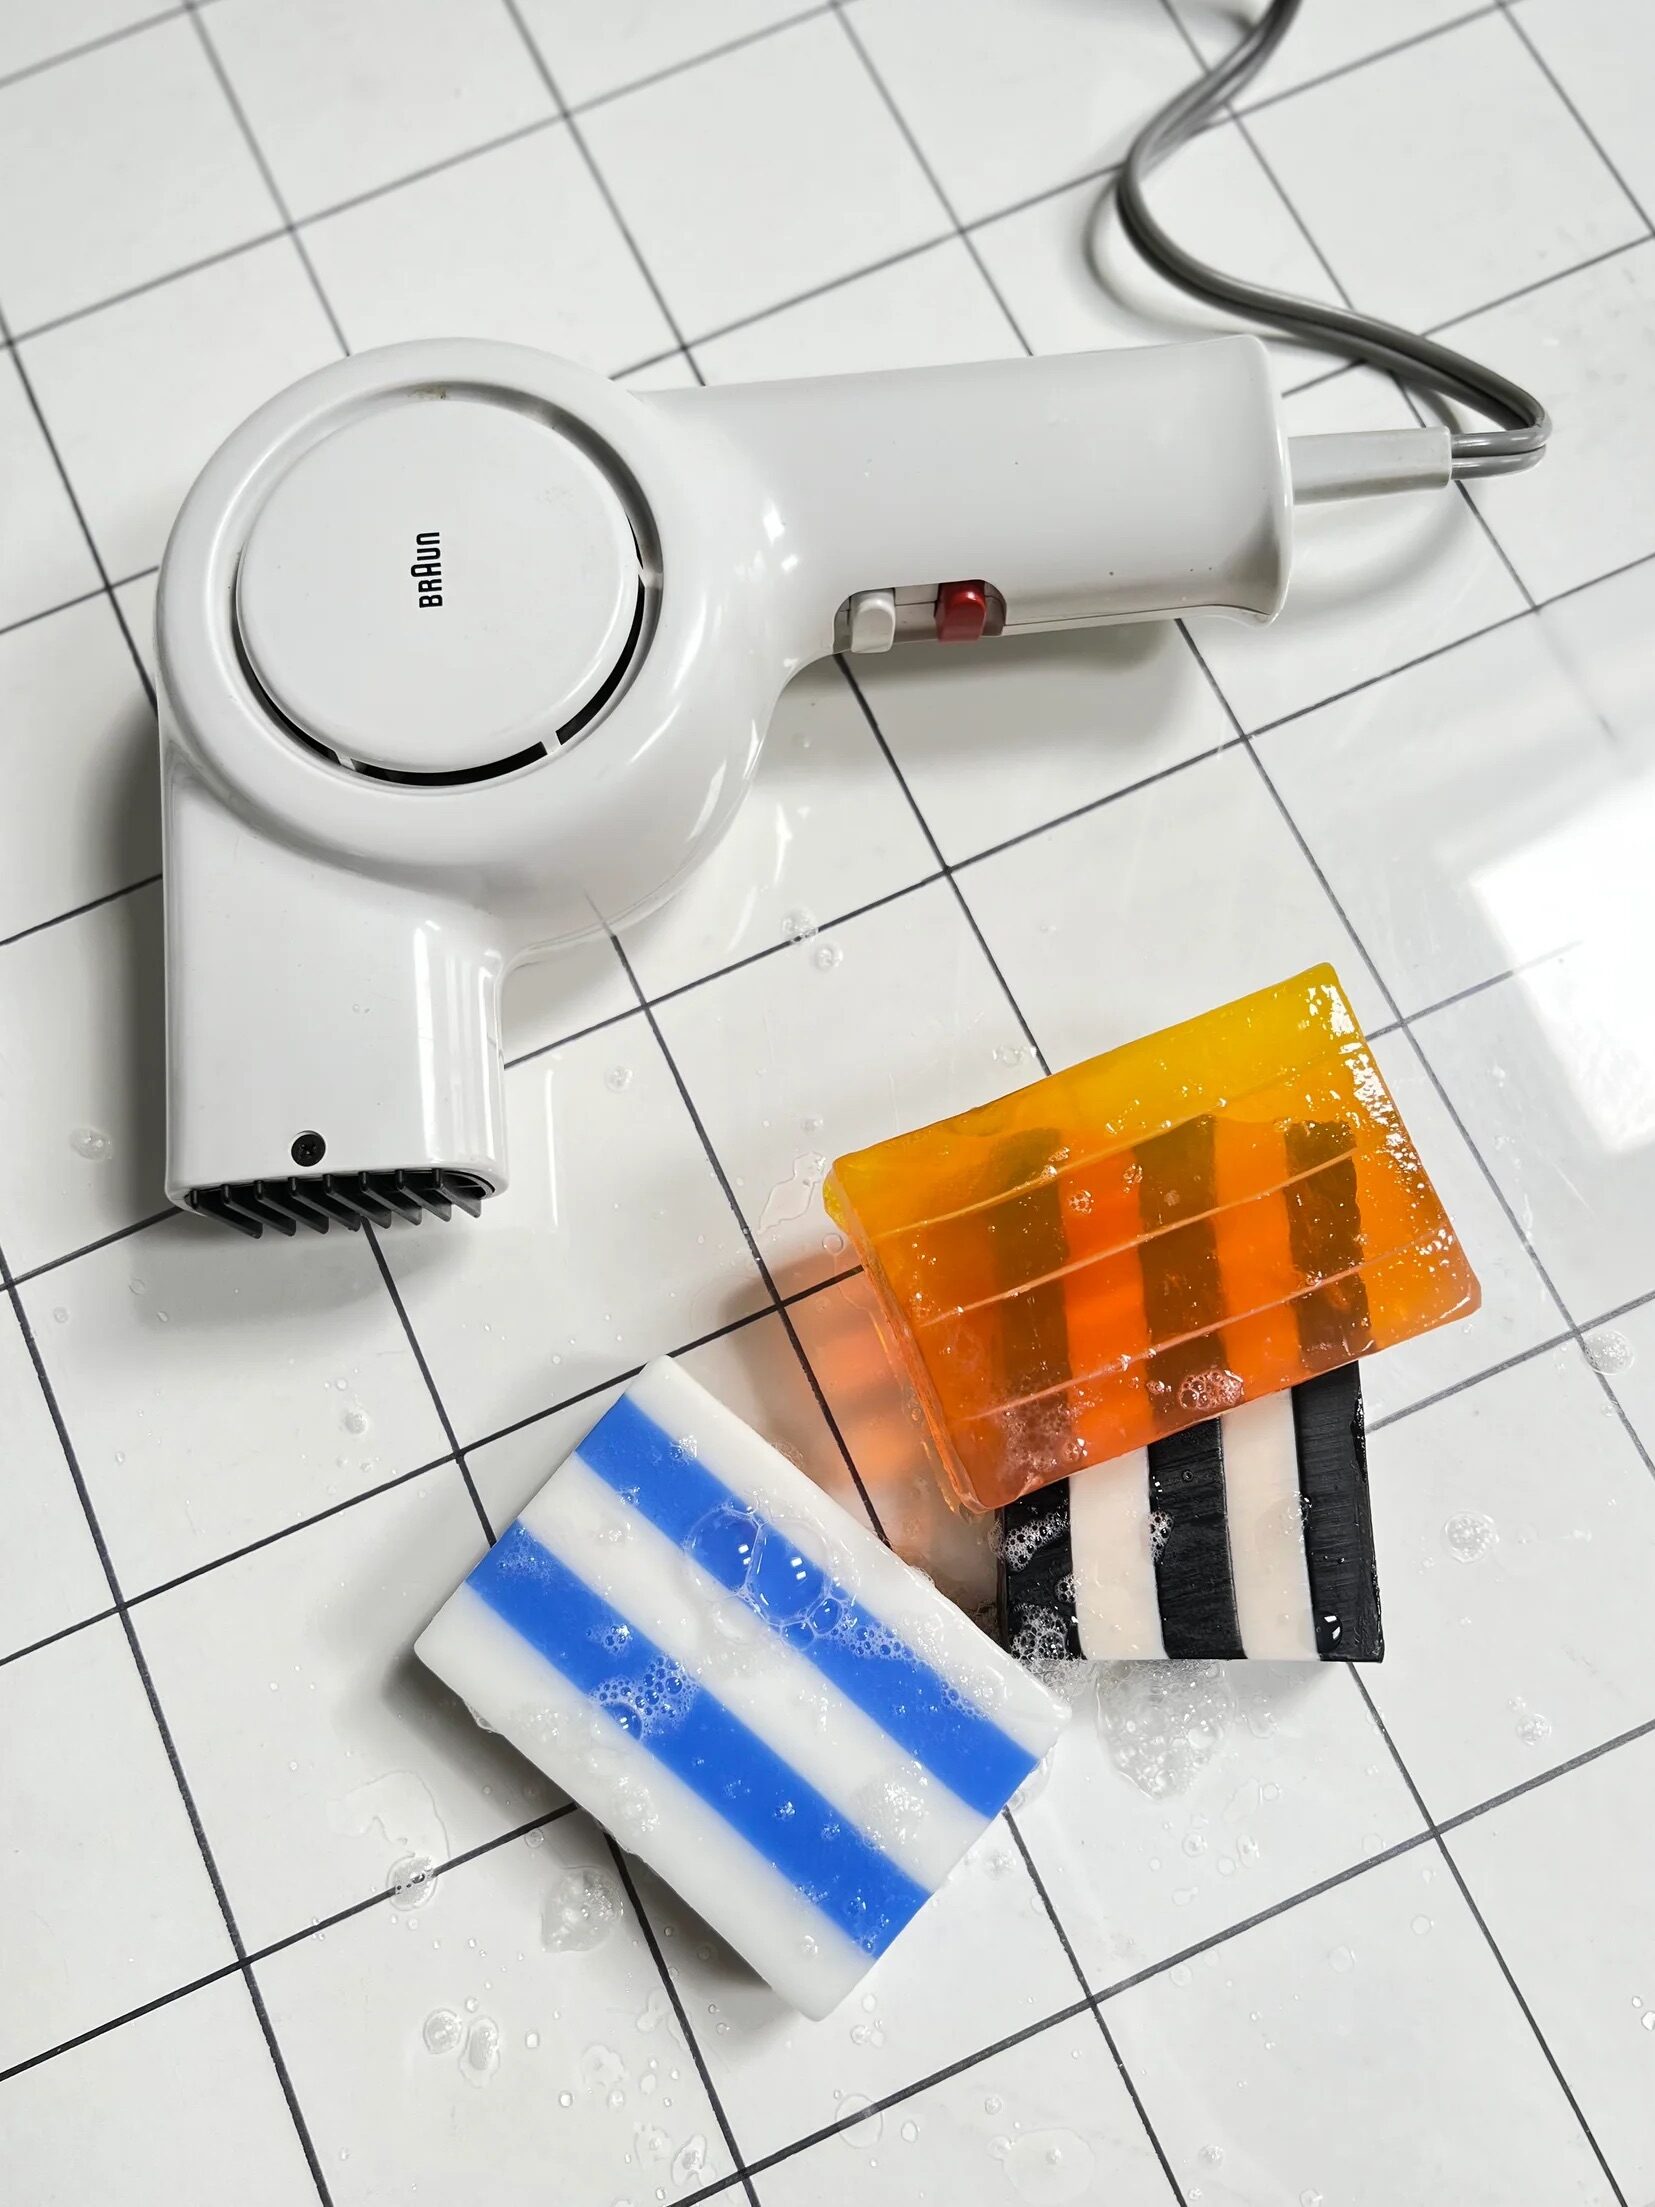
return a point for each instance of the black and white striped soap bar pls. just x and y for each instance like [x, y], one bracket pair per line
[1248, 1536]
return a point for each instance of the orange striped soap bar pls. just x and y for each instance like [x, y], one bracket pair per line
[1213, 1213]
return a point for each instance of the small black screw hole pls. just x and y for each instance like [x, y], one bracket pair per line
[309, 1149]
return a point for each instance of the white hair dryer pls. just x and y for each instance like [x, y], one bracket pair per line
[464, 652]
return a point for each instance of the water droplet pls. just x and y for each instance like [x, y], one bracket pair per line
[910, 2131]
[411, 1881]
[1310, 2199]
[92, 1144]
[442, 2031]
[827, 956]
[1010, 1053]
[136, 1287]
[1648, 2019]
[60, 1316]
[1532, 1729]
[798, 926]
[618, 1077]
[482, 2051]
[1609, 1351]
[531, 2039]
[566, 2099]
[1212, 2155]
[690, 2159]
[1180, 1973]
[356, 1421]
[1048, 2168]
[1342, 1958]
[1469, 1535]
[1209, 1393]
[579, 1913]
[1195, 1843]
[1421, 1925]
[993, 2104]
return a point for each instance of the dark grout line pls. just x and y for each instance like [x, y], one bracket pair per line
[1475, 1379]
[1545, 1777]
[432, 1389]
[386, 1893]
[63, 1632]
[562, 1042]
[77, 509]
[427, 170]
[277, 197]
[623, 1870]
[117, 37]
[777, 1302]
[1619, 1310]
[695, 61]
[92, 904]
[28, 620]
[1518, 30]
[117, 2022]
[1489, 1939]
[1363, 61]
[119, 1233]
[169, 1746]
[787, 943]
[578, 136]
[1097, 804]
[923, 161]
[128, 292]
[1115, 2055]
[951, 2069]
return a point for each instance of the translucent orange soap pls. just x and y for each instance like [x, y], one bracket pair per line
[1211, 1214]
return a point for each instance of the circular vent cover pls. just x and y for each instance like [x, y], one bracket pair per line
[439, 587]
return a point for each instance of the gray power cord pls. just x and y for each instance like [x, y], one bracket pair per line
[1417, 361]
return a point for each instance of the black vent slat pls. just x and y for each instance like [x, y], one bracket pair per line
[345, 1199]
[211, 1204]
[426, 1189]
[463, 1188]
[284, 1196]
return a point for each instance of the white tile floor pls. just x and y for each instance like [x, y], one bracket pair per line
[1366, 1939]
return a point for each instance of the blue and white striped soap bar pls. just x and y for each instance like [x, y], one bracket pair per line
[795, 1730]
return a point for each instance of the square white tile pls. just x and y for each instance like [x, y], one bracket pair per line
[1049, 2118]
[239, 2142]
[218, 1390]
[1003, 117]
[592, 51]
[514, 244]
[88, 1786]
[1336, 35]
[1602, 52]
[612, 1244]
[1581, 1945]
[195, 357]
[1198, 874]
[1075, 283]
[883, 1024]
[1548, 1070]
[1187, 1797]
[1518, 1312]
[83, 807]
[1279, 2066]
[118, 166]
[50, 1576]
[1514, 1523]
[1407, 825]
[32, 32]
[43, 556]
[1377, 582]
[344, 99]
[780, 2078]
[1584, 344]
[823, 830]
[327, 1766]
[1038, 726]
[82, 1107]
[1466, 121]
[449, 2050]
[721, 240]
[926, 310]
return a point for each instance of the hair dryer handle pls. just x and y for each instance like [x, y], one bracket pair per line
[1078, 488]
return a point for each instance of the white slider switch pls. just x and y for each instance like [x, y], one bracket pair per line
[873, 620]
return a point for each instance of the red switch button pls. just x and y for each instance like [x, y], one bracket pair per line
[961, 612]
